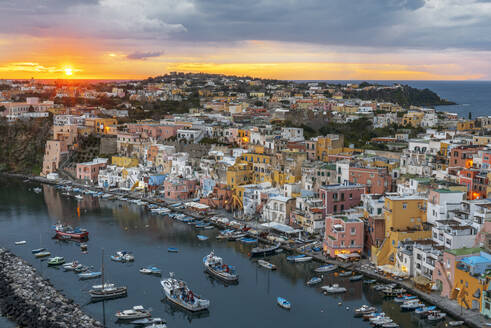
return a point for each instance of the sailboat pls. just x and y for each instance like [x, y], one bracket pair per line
[107, 293]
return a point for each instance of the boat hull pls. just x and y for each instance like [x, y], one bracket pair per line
[78, 235]
[221, 276]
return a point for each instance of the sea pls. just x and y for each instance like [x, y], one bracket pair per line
[470, 96]
[117, 225]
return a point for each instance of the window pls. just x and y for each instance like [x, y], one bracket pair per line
[353, 230]
[352, 242]
[404, 205]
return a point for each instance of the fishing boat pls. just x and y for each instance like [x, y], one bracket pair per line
[266, 264]
[404, 298]
[123, 256]
[356, 278]
[345, 274]
[455, 323]
[42, 254]
[264, 251]
[411, 305]
[111, 292]
[284, 303]
[177, 292]
[38, 250]
[137, 312]
[314, 281]
[299, 258]
[334, 289]
[57, 260]
[326, 268]
[201, 237]
[89, 275]
[151, 270]
[423, 311]
[62, 230]
[364, 309]
[215, 266]
[436, 316]
[172, 250]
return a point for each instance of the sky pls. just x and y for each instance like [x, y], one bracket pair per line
[283, 39]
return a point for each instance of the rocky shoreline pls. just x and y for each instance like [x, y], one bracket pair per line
[31, 301]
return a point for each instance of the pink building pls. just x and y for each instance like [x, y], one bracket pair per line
[89, 171]
[340, 197]
[344, 235]
[179, 188]
[54, 152]
[157, 131]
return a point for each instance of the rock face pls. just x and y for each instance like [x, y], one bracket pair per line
[31, 301]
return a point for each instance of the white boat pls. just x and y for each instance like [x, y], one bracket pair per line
[412, 305]
[299, 258]
[37, 190]
[137, 312]
[106, 285]
[123, 256]
[436, 316]
[79, 197]
[151, 270]
[314, 281]
[334, 289]
[266, 264]
[22, 242]
[456, 323]
[147, 321]
[364, 309]
[215, 266]
[177, 292]
[326, 268]
[284, 303]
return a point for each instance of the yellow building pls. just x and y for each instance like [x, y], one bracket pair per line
[468, 288]
[413, 119]
[101, 125]
[481, 140]
[329, 145]
[239, 174]
[124, 161]
[465, 125]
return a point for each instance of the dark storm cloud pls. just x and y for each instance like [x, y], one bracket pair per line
[144, 55]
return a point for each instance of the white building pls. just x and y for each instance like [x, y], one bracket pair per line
[278, 209]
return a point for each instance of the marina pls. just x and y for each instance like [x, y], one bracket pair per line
[115, 225]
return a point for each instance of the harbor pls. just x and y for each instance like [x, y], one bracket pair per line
[116, 225]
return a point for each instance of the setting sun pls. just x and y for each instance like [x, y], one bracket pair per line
[68, 71]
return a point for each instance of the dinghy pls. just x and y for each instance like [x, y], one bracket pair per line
[266, 264]
[283, 303]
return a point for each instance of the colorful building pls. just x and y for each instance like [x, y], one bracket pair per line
[344, 235]
[89, 171]
[340, 197]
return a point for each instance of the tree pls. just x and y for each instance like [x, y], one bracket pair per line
[3, 108]
[470, 115]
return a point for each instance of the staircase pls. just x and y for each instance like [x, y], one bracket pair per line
[384, 252]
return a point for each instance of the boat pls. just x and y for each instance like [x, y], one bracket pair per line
[455, 323]
[284, 303]
[314, 281]
[151, 270]
[299, 258]
[177, 292]
[201, 237]
[371, 315]
[38, 250]
[334, 289]
[266, 264]
[89, 275]
[105, 293]
[202, 225]
[345, 274]
[316, 249]
[106, 285]
[248, 240]
[137, 312]
[369, 281]
[264, 251]
[215, 266]
[356, 278]
[363, 310]
[71, 266]
[326, 268]
[390, 325]
[37, 190]
[62, 230]
[57, 260]
[424, 310]
[83, 247]
[435, 316]
[123, 256]
[42, 254]
[404, 298]
[382, 321]
[172, 250]
[80, 197]
[147, 321]
[411, 305]
[81, 268]
[394, 292]
[22, 242]
[157, 325]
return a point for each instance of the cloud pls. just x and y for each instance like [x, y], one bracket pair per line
[144, 55]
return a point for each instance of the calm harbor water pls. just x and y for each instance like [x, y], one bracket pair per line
[116, 225]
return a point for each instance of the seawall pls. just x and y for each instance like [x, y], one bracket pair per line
[31, 301]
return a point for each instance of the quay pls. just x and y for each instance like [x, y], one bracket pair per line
[31, 301]
[471, 318]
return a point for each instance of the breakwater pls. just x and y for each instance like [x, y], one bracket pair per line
[31, 301]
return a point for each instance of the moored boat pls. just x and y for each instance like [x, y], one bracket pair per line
[89, 275]
[57, 260]
[108, 293]
[314, 281]
[411, 305]
[363, 310]
[435, 316]
[284, 303]
[21, 242]
[215, 266]
[137, 312]
[356, 278]
[456, 323]
[326, 268]
[147, 321]
[334, 289]
[345, 274]
[423, 311]
[201, 237]
[123, 256]
[42, 254]
[248, 240]
[177, 292]
[151, 270]
[62, 230]
[299, 258]
[266, 264]
[369, 281]
[264, 251]
[404, 298]
[38, 250]
[172, 250]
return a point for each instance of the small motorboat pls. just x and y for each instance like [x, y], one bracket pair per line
[411, 305]
[266, 264]
[423, 311]
[283, 303]
[404, 298]
[106, 286]
[326, 268]
[369, 281]
[151, 270]
[435, 316]
[79, 197]
[123, 256]
[264, 251]
[147, 321]
[372, 315]
[248, 240]
[172, 250]
[71, 266]
[390, 325]
[21, 242]
[37, 190]
[137, 312]
[314, 281]
[363, 310]
[57, 260]
[38, 250]
[345, 274]
[89, 275]
[334, 289]
[299, 258]
[201, 237]
[83, 247]
[108, 293]
[356, 278]
[42, 254]
[456, 323]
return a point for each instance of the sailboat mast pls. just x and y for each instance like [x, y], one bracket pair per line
[102, 269]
